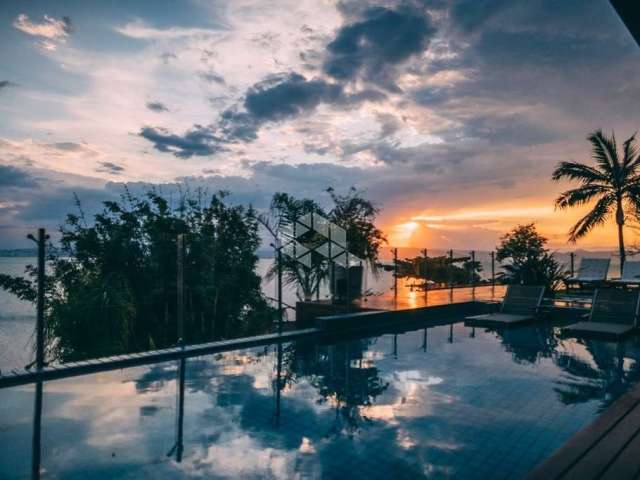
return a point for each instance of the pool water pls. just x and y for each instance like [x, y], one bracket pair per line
[447, 401]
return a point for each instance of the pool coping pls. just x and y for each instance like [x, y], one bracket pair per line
[347, 325]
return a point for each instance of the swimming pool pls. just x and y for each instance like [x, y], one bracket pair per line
[445, 401]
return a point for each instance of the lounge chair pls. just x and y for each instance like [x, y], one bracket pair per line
[591, 271]
[614, 313]
[520, 304]
[630, 274]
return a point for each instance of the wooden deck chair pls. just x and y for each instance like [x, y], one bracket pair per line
[614, 313]
[520, 304]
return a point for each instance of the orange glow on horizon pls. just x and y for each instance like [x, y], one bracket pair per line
[481, 226]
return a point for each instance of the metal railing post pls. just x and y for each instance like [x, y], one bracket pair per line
[348, 281]
[180, 288]
[37, 415]
[279, 250]
[451, 268]
[424, 274]
[572, 257]
[473, 268]
[493, 267]
[424, 265]
[40, 300]
[395, 272]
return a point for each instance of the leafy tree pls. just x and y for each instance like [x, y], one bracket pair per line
[613, 183]
[112, 284]
[528, 262]
[351, 212]
[357, 216]
[284, 211]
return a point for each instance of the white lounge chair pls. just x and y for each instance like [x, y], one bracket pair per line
[614, 313]
[630, 274]
[591, 271]
[520, 304]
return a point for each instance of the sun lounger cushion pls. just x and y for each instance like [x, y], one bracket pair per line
[613, 313]
[598, 328]
[519, 305]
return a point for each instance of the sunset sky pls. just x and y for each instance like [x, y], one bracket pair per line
[449, 114]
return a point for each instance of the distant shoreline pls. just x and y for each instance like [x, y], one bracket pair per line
[18, 252]
[32, 252]
[268, 253]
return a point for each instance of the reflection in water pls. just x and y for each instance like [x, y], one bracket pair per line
[407, 295]
[594, 369]
[438, 402]
[278, 386]
[178, 446]
[37, 432]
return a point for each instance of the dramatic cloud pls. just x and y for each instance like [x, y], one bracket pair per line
[275, 99]
[5, 84]
[511, 129]
[142, 31]
[12, 177]
[369, 49]
[197, 141]
[212, 78]
[167, 57]
[157, 107]
[110, 167]
[431, 106]
[278, 98]
[52, 30]
[69, 146]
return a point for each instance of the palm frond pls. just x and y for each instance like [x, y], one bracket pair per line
[580, 195]
[604, 151]
[597, 216]
[631, 157]
[632, 195]
[578, 171]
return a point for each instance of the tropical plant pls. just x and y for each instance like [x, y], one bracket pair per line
[283, 212]
[352, 212]
[112, 284]
[357, 216]
[526, 259]
[613, 183]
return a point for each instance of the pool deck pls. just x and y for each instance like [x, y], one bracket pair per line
[608, 448]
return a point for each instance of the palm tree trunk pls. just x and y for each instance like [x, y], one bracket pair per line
[621, 247]
[620, 222]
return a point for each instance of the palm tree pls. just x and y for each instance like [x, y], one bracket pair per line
[613, 183]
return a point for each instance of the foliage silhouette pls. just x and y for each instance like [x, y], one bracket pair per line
[613, 183]
[441, 270]
[528, 261]
[352, 212]
[111, 287]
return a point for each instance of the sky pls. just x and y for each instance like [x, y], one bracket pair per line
[450, 115]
